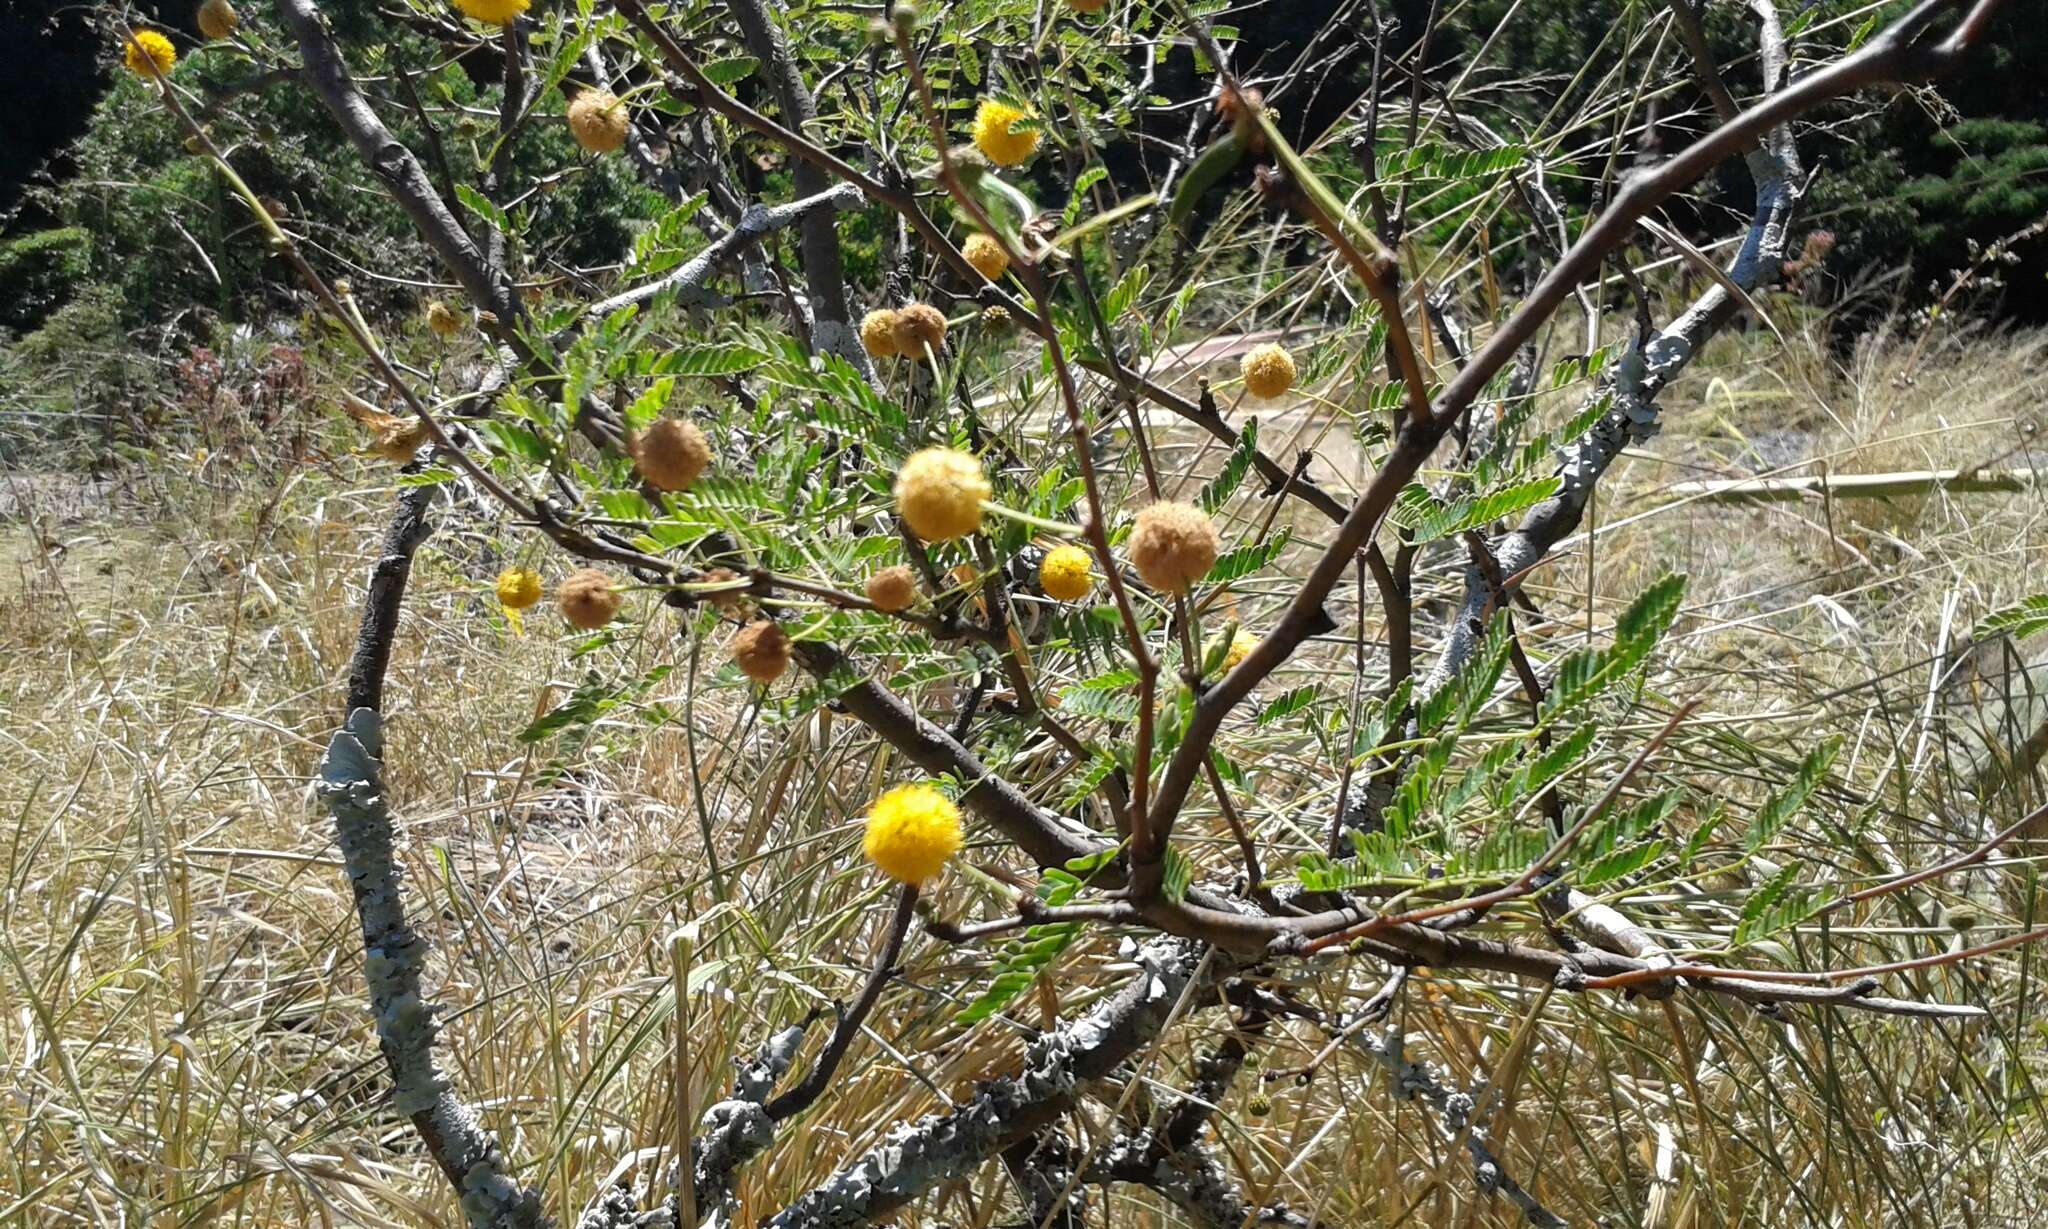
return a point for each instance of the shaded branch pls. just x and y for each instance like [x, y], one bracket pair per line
[1413, 1081]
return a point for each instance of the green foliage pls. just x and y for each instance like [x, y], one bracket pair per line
[39, 271]
[1784, 803]
[1428, 518]
[1219, 489]
[1588, 673]
[1022, 959]
[2020, 620]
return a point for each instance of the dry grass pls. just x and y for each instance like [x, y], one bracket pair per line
[185, 1039]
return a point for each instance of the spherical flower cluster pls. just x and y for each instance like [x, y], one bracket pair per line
[913, 831]
[1173, 545]
[444, 320]
[878, 333]
[994, 137]
[892, 590]
[587, 599]
[1087, 6]
[218, 19]
[597, 119]
[1242, 643]
[149, 54]
[1066, 573]
[495, 12]
[518, 588]
[1268, 370]
[939, 493]
[761, 650]
[919, 330]
[986, 255]
[671, 453]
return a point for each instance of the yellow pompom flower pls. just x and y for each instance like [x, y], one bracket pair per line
[496, 12]
[986, 255]
[1242, 643]
[913, 831]
[518, 588]
[149, 54]
[939, 493]
[878, 333]
[1268, 370]
[994, 137]
[1066, 573]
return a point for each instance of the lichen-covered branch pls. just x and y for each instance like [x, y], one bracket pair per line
[687, 282]
[941, 1147]
[1192, 1179]
[1634, 384]
[394, 955]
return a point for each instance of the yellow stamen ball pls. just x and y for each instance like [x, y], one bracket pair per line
[1173, 545]
[149, 54]
[1066, 573]
[494, 12]
[1268, 370]
[986, 255]
[518, 588]
[913, 831]
[994, 137]
[878, 333]
[939, 493]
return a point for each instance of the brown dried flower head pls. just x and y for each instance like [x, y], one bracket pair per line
[918, 326]
[587, 599]
[1173, 545]
[597, 119]
[892, 590]
[732, 602]
[672, 453]
[444, 320]
[761, 650]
